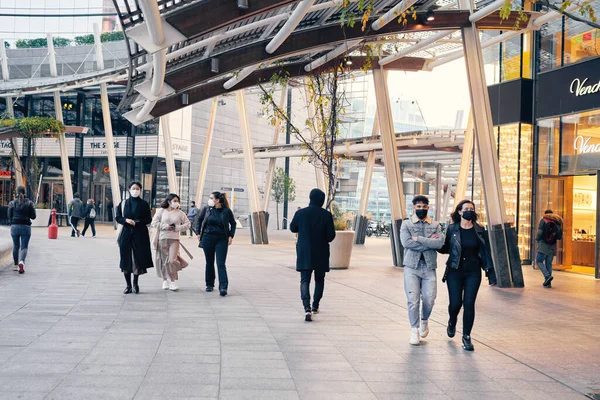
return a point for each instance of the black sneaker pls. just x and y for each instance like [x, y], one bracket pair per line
[548, 281]
[209, 288]
[467, 345]
[223, 292]
[127, 290]
[315, 310]
[308, 316]
[451, 330]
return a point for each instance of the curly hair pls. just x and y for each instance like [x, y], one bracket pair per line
[167, 202]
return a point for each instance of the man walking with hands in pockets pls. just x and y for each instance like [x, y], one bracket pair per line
[421, 237]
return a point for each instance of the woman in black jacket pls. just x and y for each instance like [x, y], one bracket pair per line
[20, 213]
[468, 245]
[90, 217]
[134, 239]
[215, 226]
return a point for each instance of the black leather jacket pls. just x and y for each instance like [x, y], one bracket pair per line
[452, 246]
[229, 223]
[21, 214]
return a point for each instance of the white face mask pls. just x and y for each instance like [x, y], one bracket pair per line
[211, 203]
[175, 204]
[134, 192]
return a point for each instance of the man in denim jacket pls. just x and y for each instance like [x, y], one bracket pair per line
[421, 237]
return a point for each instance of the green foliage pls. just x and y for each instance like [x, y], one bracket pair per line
[104, 37]
[42, 42]
[34, 126]
[282, 183]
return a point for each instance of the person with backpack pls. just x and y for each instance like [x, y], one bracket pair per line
[20, 213]
[90, 217]
[549, 232]
[76, 211]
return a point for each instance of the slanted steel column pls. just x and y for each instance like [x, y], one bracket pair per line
[503, 237]
[170, 161]
[273, 161]
[438, 191]
[465, 163]
[444, 216]
[393, 173]
[11, 111]
[64, 155]
[113, 172]
[258, 222]
[360, 225]
[206, 153]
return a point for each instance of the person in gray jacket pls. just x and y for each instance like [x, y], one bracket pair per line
[421, 237]
[76, 212]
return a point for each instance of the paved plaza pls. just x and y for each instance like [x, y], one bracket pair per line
[68, 332]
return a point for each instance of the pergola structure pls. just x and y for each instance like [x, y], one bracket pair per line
[186, 51]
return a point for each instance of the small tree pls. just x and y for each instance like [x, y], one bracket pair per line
[282, 183]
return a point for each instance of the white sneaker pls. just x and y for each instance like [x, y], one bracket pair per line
[16, 268]
[424, 329]
[173, 287]
[415, 339]
[165, 285]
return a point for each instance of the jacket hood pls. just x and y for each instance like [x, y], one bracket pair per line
[317, 198]
[554, 217]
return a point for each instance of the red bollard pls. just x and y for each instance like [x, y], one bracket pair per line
[53, 228]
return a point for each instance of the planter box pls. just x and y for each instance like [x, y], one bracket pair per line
[42, 216]
[341, 249]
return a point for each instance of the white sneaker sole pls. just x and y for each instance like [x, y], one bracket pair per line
[424, 334]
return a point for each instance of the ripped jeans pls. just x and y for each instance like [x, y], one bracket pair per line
[420, 283]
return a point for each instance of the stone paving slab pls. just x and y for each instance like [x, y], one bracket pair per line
[68, 332]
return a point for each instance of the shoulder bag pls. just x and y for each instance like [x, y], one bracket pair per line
[119, 226]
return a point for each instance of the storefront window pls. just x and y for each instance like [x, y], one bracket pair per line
[548, 146]
[509, 158]
[550, 46]
[525, 191]
[511, 59]
[582, 42]
[580, 143]
[491, 59]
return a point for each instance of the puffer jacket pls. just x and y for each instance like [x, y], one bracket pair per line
[542, 246]
[453, 247]
[21, 214]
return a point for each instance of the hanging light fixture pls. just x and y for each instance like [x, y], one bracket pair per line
[430, 16]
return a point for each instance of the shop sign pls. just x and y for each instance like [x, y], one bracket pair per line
[583, 146]
[4, 173]
[98, 147]
[581, 88]
[6, 147]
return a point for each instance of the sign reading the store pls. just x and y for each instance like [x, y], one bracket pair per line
[583, 146]
[98, 147]
[581, 88]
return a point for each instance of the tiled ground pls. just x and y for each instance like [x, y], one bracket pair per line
[68, 332]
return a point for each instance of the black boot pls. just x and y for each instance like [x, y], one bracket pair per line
[136, 287]
[451, 329]
[128, 281]
[467, 345]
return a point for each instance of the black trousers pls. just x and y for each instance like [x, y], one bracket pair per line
[215, 245]
[74, 225]
[462, 290]
[305, 277]
[89, 222]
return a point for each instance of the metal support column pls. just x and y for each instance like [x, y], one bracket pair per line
[360, 225]
[62, 142]
[445, 204]
[503, 237]
[258, 223]
[170, 161]
[465, 163]
[206, 153]
[438, 191]
[273, 161]
[11, 111]
[392, 166]
[113, 172]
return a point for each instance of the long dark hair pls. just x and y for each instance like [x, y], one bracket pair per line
[456, 216]
[167, 202]
[221, 198]
[21, 194]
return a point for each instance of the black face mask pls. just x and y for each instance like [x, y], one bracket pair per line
[468, 215]
[421, 214]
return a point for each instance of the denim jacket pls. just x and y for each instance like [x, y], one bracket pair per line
[424, 245]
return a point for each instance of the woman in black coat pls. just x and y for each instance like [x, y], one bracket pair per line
[215, 225]
[134, 240]
[314, 226]
[468, 245]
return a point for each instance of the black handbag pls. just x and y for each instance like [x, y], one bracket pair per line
[202, 228]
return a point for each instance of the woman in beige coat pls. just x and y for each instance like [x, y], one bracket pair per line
[168, 222]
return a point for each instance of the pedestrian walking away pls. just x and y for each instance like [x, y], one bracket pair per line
[549, 232]
[20, 213]
[192, 212]
[134, 240]
[421, 237]
[90, 217]
[76, 211]
[168, 222]
[314, 226]
[215, 227]
[468, 246]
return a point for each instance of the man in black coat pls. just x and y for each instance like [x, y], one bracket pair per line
[314, 226]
